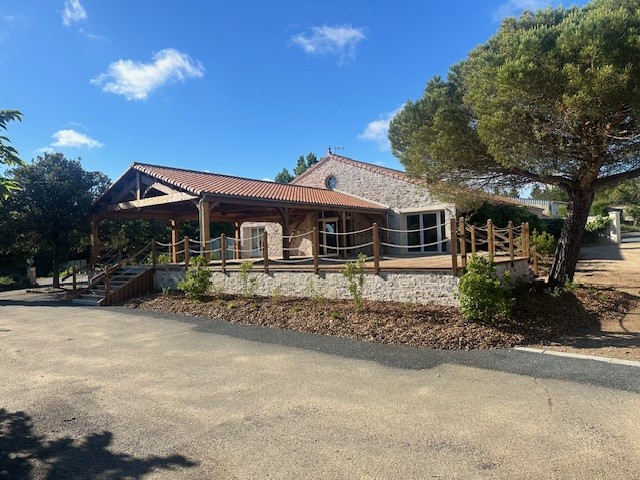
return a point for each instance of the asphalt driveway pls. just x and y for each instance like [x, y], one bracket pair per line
[110, 393]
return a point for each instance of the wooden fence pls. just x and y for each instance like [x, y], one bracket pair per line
[502, 244]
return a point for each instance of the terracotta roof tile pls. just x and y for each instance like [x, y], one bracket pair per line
[202, 183]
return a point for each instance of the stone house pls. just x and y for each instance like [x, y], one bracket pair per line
[414, 222]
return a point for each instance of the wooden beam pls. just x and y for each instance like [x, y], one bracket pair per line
[95, 240]
[285, 232]
[174, 241]
[205, 209]
[150, 202]
[161, 188]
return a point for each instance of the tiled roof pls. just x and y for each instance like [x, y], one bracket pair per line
[388, 172]
[202, 183]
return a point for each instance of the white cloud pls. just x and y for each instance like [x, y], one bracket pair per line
[515, 7]
[322, 40]
[135, 80]
[73, 12]
[45, 150]
[377, 131]
[71, 138]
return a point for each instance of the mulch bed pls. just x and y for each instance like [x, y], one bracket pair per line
[539, 317]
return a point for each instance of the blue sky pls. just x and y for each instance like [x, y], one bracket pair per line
[241, 88]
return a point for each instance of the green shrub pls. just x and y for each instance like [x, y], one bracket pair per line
[482, 293]
[6, 281]
[197, 282]
[354, 271]
[543, 243]
[249, 283]
[313, 292]
[595, 230]
[163, 259]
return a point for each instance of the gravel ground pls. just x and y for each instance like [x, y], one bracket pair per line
[539, 317]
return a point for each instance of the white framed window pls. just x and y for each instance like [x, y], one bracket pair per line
[425, 231]
[256, 235]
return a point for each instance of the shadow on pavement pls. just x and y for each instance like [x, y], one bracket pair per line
[25, 455]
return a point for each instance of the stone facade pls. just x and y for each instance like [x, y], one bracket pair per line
[390, 188]
[414, 287]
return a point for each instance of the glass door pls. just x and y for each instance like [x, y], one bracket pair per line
[328, 238]
[425, 232]
[257, 235]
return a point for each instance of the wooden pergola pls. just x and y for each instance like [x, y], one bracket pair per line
[176, 195]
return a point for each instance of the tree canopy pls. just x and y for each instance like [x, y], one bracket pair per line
[50, 213]
[303, 164]
[8, 154]
[552, 98]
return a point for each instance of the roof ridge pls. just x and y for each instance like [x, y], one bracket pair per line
[190, 170]
[389, 172]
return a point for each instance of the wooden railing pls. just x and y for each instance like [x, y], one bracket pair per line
[511, 241]
[374, 241]
[138, 285]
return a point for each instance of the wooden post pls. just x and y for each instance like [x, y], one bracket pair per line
[95, 240]
[204, 211]
[119, 254]
[174, 241]
[535, 263]
[154, 256]
[285, 233]
[463, 242]
[223, 252]
[527, 239]
[342, 239]
[511, 246]
[490, 239]
[187, 253]
[315, 249]
[236, 243]
[74, 277]
[472, 233]
[265, 251]
[454, 247]
[376, 250]
[522, 245]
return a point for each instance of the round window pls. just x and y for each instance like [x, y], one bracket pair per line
[331, 182]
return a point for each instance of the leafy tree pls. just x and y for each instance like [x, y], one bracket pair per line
[284, 176]
[8, 154]
[50, 213]
[548, 193]
[625, 193]
[552, 98]
[304, 163]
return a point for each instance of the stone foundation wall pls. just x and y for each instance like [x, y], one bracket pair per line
[414, 287]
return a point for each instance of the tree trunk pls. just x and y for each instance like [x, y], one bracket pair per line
[56, 273]
[566, 258]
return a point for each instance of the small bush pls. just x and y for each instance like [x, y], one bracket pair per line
[197, 282]
[6, 281]
[163, 259]
[314, 292]
[249, 283]
[276, 295]
[483, 294]
[596, 229]
[543, 243]
[354, 271]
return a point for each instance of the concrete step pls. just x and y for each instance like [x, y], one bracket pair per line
[84, 301]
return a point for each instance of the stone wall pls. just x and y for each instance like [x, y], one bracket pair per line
[399, 196]
[415, 287]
